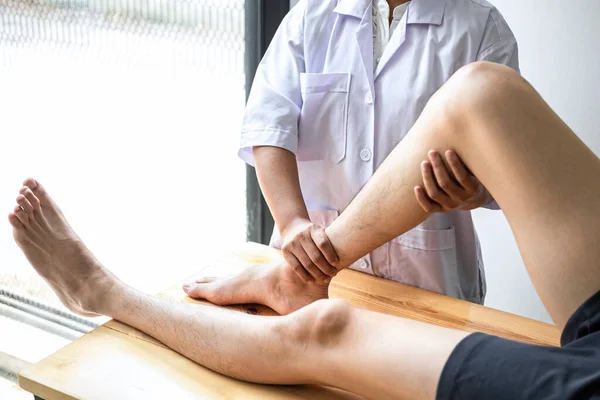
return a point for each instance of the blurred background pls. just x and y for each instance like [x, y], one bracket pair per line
[129, 112]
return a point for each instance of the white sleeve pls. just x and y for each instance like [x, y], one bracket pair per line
[274, 105]
[499, 44]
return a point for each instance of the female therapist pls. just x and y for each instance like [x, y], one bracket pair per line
[341, 84]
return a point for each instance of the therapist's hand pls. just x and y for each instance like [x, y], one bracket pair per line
[308, 251]
[446, 190]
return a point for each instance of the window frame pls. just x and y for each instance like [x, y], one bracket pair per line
[262, 18]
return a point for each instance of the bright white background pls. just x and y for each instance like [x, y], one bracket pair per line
[134, 135]
[558, 43]
[559, 55]
[136, 140]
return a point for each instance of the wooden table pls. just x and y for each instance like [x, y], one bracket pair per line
[116, 361]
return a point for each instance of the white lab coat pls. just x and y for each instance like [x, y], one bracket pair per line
[317, 94]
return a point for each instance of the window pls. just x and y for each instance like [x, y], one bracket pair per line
[129, 113]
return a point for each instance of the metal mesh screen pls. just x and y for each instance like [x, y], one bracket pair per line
[86, 84]
[205, 33]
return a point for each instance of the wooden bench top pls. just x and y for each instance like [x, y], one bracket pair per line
[116, 361]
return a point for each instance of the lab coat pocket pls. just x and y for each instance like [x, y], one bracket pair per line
[324, 116]
[432, 240]
[426, 259]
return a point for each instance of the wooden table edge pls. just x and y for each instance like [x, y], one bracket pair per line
[43, 391]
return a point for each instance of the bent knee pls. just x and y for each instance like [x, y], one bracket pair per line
[481, 86]
[484, 79]
[486, 72]
[322, 323]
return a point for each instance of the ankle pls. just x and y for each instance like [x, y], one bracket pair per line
[106, 292]
[274, 278]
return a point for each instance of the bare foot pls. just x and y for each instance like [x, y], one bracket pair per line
[56, 252]
[275, 285]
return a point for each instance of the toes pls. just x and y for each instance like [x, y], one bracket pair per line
[14, 221]
[194, 290]
[21, 216]
[199, 291]
[32, 198]
[206, 279]
[25, 204]
[37, 189]
[31, 183]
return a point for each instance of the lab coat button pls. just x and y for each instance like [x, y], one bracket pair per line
[369, 98]
[365, 155]
[362, 263]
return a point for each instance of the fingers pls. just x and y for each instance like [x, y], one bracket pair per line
[311, 255]
[296, 265]
[444, 188]
[426, 204]
[321, 271]
[445, 182]
[479, 200]
[303, 255]
[328, 258]
[432, 189]
[462, 175]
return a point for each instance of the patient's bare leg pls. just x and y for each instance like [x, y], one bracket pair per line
[544, 178]
[541, 174]
[237, 344]
[303, 347]
[529, 160]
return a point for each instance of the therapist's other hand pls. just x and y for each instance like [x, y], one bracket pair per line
[446, 190]
[308, 251]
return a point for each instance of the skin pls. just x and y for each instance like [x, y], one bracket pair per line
[496, 122]
[449, 188]
[393, 4]
[272, 350]
[361, 223]
[307, 249]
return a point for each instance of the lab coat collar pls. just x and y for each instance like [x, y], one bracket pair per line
[355, 8]
[426, 12]
[419, 11]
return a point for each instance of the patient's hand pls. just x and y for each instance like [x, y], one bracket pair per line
[449, 189]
